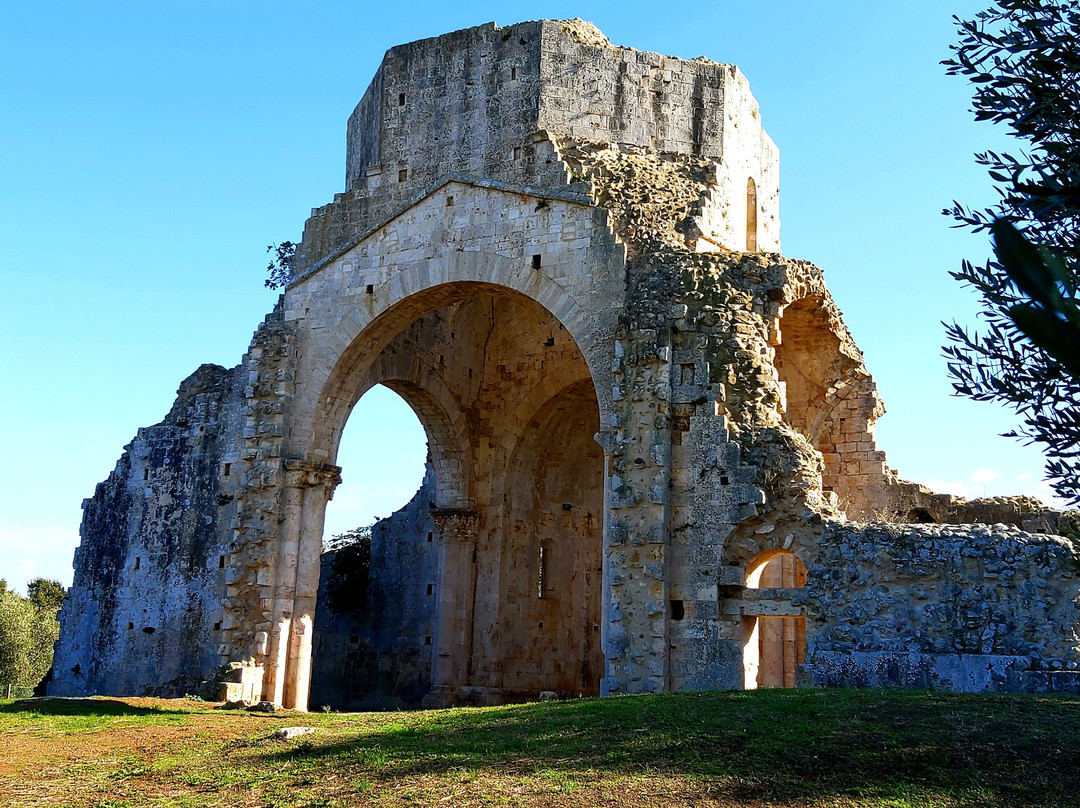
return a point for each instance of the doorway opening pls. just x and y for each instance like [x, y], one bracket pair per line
[774, 638]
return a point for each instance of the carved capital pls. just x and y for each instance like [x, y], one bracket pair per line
[301, 474]
[455, 525]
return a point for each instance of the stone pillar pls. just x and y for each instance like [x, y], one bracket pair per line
[284, 578]
[458, 531]
[308, 488]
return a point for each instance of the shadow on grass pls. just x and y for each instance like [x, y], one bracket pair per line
[90, 707]
[803, 745]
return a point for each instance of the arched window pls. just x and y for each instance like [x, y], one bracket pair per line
[775, 644]
[751, 215]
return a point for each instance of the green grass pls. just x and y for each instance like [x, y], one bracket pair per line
[809, 747]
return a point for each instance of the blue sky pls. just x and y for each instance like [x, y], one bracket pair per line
[149, 152]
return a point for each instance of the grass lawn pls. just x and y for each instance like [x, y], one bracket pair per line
[758, 748]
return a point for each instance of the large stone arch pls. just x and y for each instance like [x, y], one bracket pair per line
[475, 338]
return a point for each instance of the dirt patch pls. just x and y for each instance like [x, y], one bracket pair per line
[40, 762]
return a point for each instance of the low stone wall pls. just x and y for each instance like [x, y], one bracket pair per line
[959, 607]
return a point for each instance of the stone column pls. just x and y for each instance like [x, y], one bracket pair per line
[321, 482]
[458, 531]
[301, 538]
[284, 580]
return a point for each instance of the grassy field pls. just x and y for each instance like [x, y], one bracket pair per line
[761, 748]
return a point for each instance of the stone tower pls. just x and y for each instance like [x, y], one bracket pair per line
[647, 429]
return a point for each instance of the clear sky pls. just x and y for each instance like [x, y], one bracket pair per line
[150, 151]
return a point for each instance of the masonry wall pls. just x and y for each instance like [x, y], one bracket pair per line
[375, 633]
[487, 102]
[144, 613]
[950, 607]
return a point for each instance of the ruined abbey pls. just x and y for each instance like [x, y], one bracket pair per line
[652, 463]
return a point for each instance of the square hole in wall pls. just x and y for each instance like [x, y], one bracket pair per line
[130, 625]
[370, 289]
[449, 201]
[678, 611]
[427, 639]
[402, 175]
[217, 626]
[354, 639]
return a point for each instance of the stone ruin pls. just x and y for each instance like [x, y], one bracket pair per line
[652, 463]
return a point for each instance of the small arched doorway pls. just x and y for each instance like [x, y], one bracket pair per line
[775, 634]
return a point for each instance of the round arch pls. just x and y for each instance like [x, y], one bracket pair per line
[329, 378]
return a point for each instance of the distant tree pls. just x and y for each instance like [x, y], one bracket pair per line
[280, 267]
[46, 593]
[28, 631]
[348, 569]
[1023, 57]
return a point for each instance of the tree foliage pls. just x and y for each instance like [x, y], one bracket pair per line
[279, 269]
[28, 631]
[348, 569]
[1023, 58]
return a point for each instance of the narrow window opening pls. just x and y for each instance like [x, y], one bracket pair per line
[724, 480]
[536, 262]
[217, 626]
[678, 611]
[370, 289]
[138, 562]
[751, 215]
[517, 152]
[540, 624]
[427, 639]
[513, 73]
[402, 175]
[401, 99]
[221, 562]
[430, 537]
[449, 201]
[130, 625]
[228, 469]
[146, 474]
[431, 589]
[549, 342]
[541, 572]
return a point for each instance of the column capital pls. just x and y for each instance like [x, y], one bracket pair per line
[303, 474]
[455, 524]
